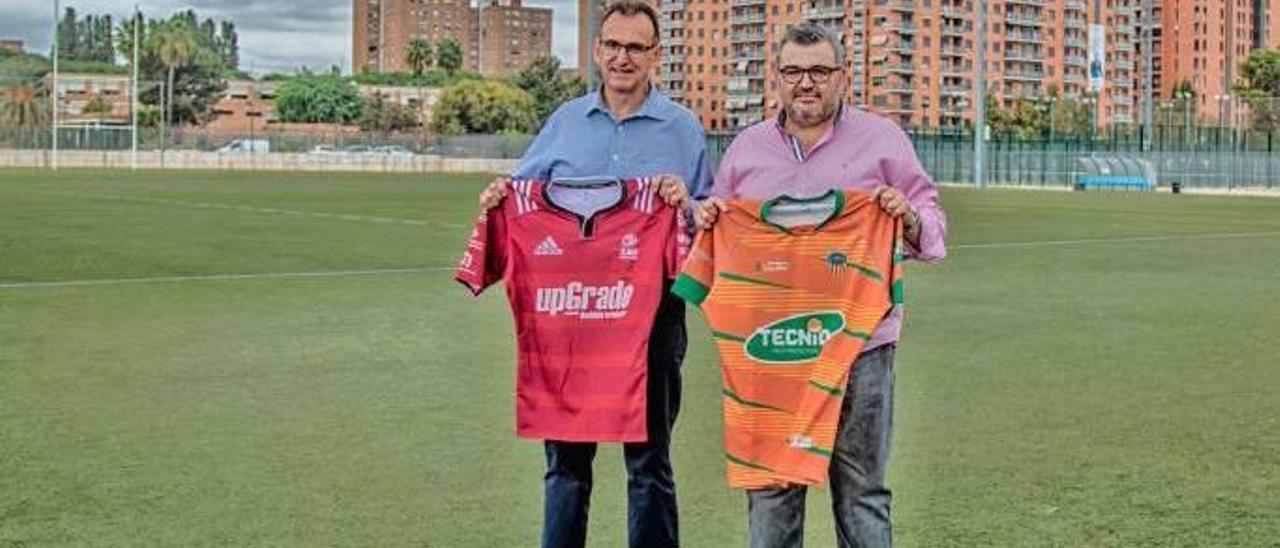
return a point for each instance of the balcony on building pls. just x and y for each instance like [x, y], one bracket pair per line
[900, 68]
[820, 13]
[901, 27]
[905, 6]
[1024, 56]
[1023, 19]
[1024, 75]
[747, 98]
[1024, 37]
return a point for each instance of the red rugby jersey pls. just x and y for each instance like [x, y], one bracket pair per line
[583, 294]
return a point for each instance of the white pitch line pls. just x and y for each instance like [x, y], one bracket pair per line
[223, 277]
[1169, 238]
[429, 269]
[252, 209]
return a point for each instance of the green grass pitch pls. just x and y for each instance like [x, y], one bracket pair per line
[1086, 369]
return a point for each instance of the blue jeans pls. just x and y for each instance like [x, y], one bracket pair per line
[651, 490]
[859, 496]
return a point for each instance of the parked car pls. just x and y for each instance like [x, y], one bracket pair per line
[324, 150]
[243, 146]
[393, 150]
[357, 149]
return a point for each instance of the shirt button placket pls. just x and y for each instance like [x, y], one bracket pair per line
[617, 141]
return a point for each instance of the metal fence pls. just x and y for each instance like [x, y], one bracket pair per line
[1205, 157]
[89, 137]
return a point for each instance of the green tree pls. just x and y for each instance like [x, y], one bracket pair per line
[23, 106]
[229, 41]
[418, 55]
[68, 34]
[1260, 88]
[96, 105]
[541, 79]
[175, 45]
[88, 38]
[308, 98]
[486, 106]
[449, 55]
[385, 116]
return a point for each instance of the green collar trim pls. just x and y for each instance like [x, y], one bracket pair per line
[767, 207]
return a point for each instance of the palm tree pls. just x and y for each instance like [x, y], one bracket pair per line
[418, 55]
[22, 107]
[174, 44]
[449, 55]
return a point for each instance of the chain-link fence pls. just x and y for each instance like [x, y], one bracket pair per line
[1192, 156]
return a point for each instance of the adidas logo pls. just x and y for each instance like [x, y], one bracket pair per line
[547, 247]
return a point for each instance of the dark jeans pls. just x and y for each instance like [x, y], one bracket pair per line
[651, 490]
[859, 496]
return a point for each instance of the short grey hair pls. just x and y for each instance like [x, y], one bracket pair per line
[808, 34]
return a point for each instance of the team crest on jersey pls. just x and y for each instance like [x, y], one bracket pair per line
[630, 248]
[837, 262]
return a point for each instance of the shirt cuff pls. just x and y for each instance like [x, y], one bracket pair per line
[933, 231]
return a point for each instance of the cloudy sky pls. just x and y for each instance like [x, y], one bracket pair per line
[275, 35]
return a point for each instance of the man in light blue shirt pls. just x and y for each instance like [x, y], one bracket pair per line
[626, 130]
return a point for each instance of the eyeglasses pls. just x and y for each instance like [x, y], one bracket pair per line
[612, 48]
[817, 74]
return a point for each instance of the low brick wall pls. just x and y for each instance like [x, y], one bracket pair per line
[186, 159]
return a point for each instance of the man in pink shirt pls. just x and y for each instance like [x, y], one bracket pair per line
[814, 144]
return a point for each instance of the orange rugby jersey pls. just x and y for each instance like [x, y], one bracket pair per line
[790, 310]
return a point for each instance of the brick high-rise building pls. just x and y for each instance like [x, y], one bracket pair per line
[1204, 43]
[513, 35]
[912, 61]
[586, 18]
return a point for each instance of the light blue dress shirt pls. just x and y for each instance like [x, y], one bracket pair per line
[582, 140]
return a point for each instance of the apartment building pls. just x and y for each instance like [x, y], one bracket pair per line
[910, 60]
[498, 38]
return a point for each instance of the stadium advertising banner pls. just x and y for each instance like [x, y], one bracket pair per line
[1097, 57]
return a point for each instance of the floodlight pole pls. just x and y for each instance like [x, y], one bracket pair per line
[54, 93]
[133, 107]
[1148, 78]
[980, 100]
[592, 80]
